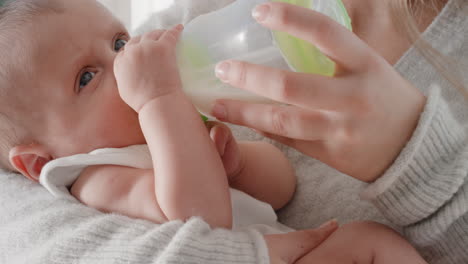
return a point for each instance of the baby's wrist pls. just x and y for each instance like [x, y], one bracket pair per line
[171, 95]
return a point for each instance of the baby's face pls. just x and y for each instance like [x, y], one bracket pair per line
[73, 91]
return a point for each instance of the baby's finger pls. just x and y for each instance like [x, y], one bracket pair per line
[172, 35]
[118, 57]
[334, 40]
[220, 135]
[153, 35]
[134, 40]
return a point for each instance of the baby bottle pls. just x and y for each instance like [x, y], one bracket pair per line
[232, 33]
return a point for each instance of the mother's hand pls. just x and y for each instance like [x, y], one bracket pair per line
[357, 121]
[289, 248]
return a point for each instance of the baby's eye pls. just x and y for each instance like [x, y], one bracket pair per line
[85, 78]
[119, 44]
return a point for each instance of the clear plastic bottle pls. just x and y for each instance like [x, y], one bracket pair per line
[232, 33]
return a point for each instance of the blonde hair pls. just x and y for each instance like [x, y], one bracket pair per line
[14, 14]
[406, 14]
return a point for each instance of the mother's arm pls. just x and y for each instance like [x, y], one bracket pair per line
[426, 189]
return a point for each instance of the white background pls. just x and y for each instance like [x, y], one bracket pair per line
[133, 12]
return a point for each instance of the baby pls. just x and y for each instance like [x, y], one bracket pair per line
[72, 81]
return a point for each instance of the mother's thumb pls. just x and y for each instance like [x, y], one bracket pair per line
[292, 246]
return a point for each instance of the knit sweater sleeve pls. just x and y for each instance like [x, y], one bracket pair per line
[426, 190]
[37, 228]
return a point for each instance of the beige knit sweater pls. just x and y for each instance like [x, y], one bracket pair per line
[425, 193]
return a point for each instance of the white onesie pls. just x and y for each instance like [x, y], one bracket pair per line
[59, 175]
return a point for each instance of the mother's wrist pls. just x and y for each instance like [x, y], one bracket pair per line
[407, 122]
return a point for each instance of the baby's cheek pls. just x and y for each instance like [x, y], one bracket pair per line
[119, 126]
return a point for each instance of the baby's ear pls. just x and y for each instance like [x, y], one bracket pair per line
[29, 160]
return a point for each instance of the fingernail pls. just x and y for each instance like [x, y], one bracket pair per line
[222, 70]
[329, 224]
[219, 111]
[180, 27]
[261, 12]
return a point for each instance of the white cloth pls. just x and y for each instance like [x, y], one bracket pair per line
[60, 174]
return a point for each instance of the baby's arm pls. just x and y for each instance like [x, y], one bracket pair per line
[188, 177]
[122, 190]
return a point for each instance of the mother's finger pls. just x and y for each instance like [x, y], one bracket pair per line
[334, 40]
[301, 89]
[289, 247]
[286, 121]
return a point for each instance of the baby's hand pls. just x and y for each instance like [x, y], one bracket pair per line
[227, 147]
[147, 69]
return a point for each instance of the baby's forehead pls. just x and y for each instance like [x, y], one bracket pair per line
[30, 42]
[90, 12]
[86, 21]
[25, 46]
[80, 23]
